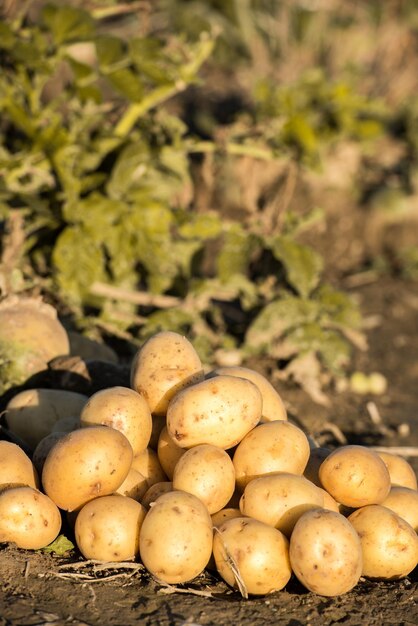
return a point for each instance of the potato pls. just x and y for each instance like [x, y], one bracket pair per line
[280, 499]
[400, 471]
[329, 502]
[389, 543]
[175, 541]
[355, 476]
[166, 363]
[221, 516]
[208, 473]
[251, 556]
[28, 518]
[43, 448]
[107, 528]
[158, 423]
[325, 553]
[134, 486]
[168, 453]
[87, 463]
[16, 467]
[273, 407]
[148, 464]
[404, 502]
[66, 424]
[271, 447]
[32, 414]
[123, 409]
[316, 456]
[30, 336]
[155, 491]
[218, 411]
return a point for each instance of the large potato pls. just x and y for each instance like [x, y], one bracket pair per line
[389, 543]
[325, 553]
[355, 476]
[28, 518]
[253, 553]
[277, 446]
[400, 471]
[87, 463]
[175, 541]
[32, 414]
[166, 363]
[123, 409]
[280, 499]
[207, 472]
[16, 468]
[273, 407]
[218, 411]
[107, 528]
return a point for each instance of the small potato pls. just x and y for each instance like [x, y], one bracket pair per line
[168, 453]
[273, 407]
[148, 464]
[259, 552]
[32, 414]
[123, 409]
[355, 476]
[134, 486]
[400, 471]
[325, 553]
[329, 502]
[28, 518]
[107, 528]
[389, 543]
[155, 491]
[280, 499]
[175, 541]
[221, 516]
[164, 365]
[218, 411]
[87, 463]
[271, 447]
[208, 473]
[16, 467]
[404, 502]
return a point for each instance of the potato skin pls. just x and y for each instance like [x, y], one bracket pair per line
[260, 552]
[85, 464]
[400, 471]
[175, 541]
[165, 364]
[28, 518]
[16, 467]
[355, 476]
[325, 553]
[107, 528]
[168, 453]
[389, 543]
[121, 408]
[218, 411]
[404, 502]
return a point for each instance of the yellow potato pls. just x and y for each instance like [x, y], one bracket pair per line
[148, 464]
[389, 543]
[166, 363]
[271, 447]
[400, 471]
[325, 553]
[134, 486]
[87, 463]
[221, 516]
[258, 553]
[218, 411]
[16, 467]
[107, 528]
[123, 409]
[273, 407]
[32, 414]
[175, 541]
[207, 472]
[355, 476]
[155, 491]
[168, 453]
[28, 518]
[404, 502]
[280, 499]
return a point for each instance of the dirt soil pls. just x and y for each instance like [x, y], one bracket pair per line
[35, 590]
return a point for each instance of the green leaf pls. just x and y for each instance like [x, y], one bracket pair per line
[303, 265]
[110, 50]
[68, 23]
[147, 55]
[60, 546]
[235, 253]
[7, 37]
[174, 319]
[130, 167]
[127, 83]
[299, 132]
[206, 225]
[330, 345]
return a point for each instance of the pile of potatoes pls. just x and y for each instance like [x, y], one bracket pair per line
[187, 470]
